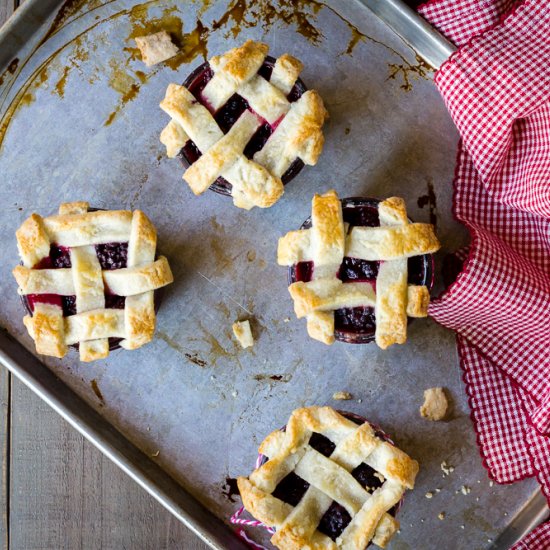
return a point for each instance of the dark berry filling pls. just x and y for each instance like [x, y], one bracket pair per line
[334, 521]
[358, 325]
[229, 113]
[292, 488]
[110, 256]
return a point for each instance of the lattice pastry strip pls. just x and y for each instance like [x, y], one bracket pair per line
[93, 324]
[326, 244]
[296, 126]
[330, 480]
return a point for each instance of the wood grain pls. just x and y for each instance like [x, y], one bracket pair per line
[66, 494]
[59, 492]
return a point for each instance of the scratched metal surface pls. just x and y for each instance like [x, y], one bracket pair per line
[80, 122]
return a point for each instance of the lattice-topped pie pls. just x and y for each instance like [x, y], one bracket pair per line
[88, 278]
[328, 481]
[245, 123]
[358, 268]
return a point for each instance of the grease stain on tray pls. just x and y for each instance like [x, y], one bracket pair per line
[430, 201]
[408, 71]
[274, 377]
[239, 14]
[10, 70]
[97, 391]
[230, 490]
[178, 348]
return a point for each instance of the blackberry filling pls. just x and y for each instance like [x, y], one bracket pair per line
[292, 488]
[110, 256]
[357, 325]
[229, 113]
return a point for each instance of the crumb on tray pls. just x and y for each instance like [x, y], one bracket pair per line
[435, 404]
[242, 332]
[156, 48]
[342, 396]
[446, 468]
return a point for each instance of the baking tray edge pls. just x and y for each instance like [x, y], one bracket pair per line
[115, 446]
[435, 50]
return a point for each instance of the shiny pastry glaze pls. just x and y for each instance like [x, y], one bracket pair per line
[357, 325]
[292, 488]
[229, 113]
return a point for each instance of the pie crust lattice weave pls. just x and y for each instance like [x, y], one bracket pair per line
[330, 480]
[296, 126]
[81, 231]
[330, 240]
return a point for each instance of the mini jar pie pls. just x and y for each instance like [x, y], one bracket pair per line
[245, 124]
[328, 480]
[88, 279]
[358, 268]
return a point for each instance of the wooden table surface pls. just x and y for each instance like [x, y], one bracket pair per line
[58, 491]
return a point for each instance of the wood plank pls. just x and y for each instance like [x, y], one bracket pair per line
[66, 495]
[5, 377]
[6, 9]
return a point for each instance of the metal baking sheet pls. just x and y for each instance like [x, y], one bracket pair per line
[80, 121]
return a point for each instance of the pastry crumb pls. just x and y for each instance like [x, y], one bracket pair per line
[462, 527]
[435, 404]
[154, 455]
[342, 396]
[446, 468]
[156, 48]
[465, 490]
[491, 483]
[242, 332]
[429, 494]
[441, 515]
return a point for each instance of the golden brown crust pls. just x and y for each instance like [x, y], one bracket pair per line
[93, 350]
[393, 211]
[242, 62]
[308, 140]
[320, 326]
[328, 237]
[391, 303]
[392, 242]
[33, 241]
[294, 247]
[404, 469]
[173, 137]
[69, 208]
[286, 72]
[418, 300]
[139, 320]
[46, 327]
[328, 295]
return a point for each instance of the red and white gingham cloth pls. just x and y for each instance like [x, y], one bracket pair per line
[497, 89]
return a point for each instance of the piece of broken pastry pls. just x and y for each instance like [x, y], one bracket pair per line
[435, 404]
[156, 48]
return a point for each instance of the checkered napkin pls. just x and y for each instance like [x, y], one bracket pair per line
[497, 89]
